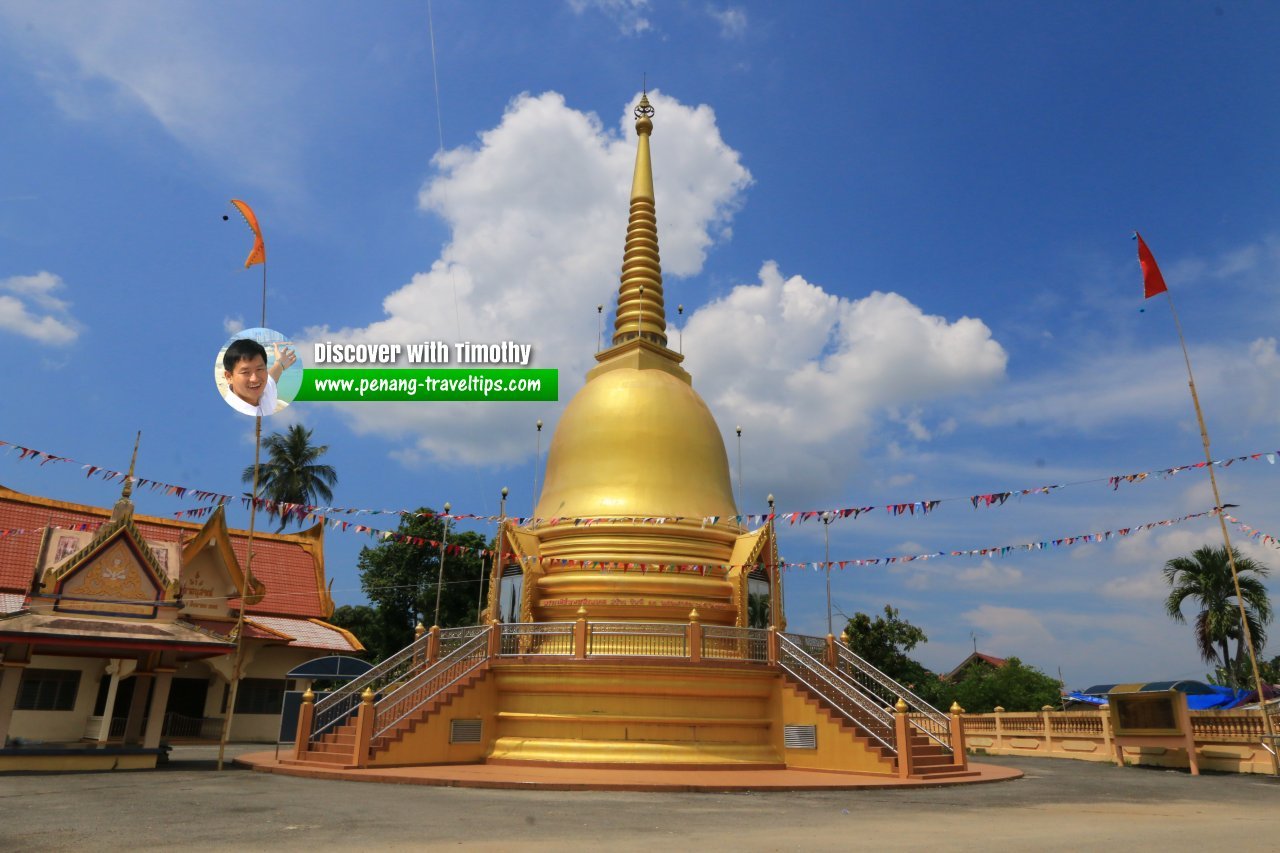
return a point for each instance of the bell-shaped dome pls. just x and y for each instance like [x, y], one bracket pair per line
[637, 442]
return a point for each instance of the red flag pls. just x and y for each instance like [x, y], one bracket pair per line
[258, 254]
[1152, 281]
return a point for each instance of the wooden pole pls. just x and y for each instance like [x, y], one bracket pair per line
[1226, 537]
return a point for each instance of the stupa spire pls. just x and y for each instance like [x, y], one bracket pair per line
[641, 312]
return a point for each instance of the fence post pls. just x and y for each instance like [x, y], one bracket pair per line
[902, 736]
[580, 634]
[418, 631]
[495, 639]
[831, 651]
[695, 637]
[1045, 711]
[433, 644]
[771, 646]
[959, 752]
[1106, 729]
[365, 719]
[306, 717]
[999, 727]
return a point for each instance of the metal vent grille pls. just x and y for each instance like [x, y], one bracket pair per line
[800, 737]
[464, 731]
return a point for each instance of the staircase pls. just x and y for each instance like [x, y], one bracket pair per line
[873, 706]
[405, 689]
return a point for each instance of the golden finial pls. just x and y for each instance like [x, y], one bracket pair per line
[956, 709]
[900, 706]
[582, 611]
[367, 696]
[693, 615]
[641, 310]
[127, 491]
[308, 697]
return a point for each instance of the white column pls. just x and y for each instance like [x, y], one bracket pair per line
[104, 729]
[10, 678]
[133, 724]
[159, 700]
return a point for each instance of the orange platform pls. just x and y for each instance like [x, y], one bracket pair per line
[509, 776]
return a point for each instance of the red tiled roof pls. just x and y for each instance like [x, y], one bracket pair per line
[286, 568]
[224, 629]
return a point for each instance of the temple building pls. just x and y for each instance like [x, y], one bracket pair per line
[117, 628]
[624, 624]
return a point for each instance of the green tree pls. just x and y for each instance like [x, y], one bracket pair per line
[1014, 687]
[399, 578]
[884, 642]
[367, 624]
[291, 473]
[1205, 578]
[757, 610]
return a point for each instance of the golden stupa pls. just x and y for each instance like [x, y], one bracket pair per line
[637, 443]
[617, 631]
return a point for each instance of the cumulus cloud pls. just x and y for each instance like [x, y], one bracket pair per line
[233, 325]
[808, 373]
[629, 15]
[537, 211]
[30, 308]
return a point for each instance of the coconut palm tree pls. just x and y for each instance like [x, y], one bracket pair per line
[1205, 577]
[291, 473]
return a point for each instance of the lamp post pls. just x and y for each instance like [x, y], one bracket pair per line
[440, 572]
[826, 553]
[773, 573]
[537, 459]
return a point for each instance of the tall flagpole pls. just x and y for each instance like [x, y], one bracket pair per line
[1222, 522]
[238, 666]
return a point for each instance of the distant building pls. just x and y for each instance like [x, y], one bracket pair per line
[975, 659]
[121, 628]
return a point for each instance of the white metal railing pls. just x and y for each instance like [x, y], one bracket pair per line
[452, 638]
[856, 706]
[537, 638]
[430, 682]
[638, 639]
[922, 715]
[338, 706]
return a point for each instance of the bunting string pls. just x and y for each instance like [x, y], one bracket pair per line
[909, 508]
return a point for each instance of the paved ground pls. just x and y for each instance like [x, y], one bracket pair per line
[1058, 805]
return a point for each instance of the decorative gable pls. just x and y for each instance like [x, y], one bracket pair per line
[115, 574]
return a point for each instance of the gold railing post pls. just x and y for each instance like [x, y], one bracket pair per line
[999, 727]
[771, 645]
[695, 637]
[495, 639]
[365, 719]
[418, 631]
[580, 635]
[831, 651]
[958, 748]
[306, 717]
[902, 736]
[1045, 711]
[433, 644]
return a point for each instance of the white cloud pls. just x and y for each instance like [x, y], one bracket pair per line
[28, 307]
[171, 61]
[629, 15]
[988, 574]
[807, 372]
[537, 211]
[732, 21]
[233, 325]
[1010, 629]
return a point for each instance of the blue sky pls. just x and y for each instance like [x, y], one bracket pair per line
[901, 234]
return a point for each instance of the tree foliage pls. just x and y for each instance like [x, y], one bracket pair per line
[1014, 687]
[1205, 579]
[886, 641]
[292, 473]
[399, 578]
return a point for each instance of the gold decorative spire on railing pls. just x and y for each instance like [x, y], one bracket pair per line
[641, 312]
